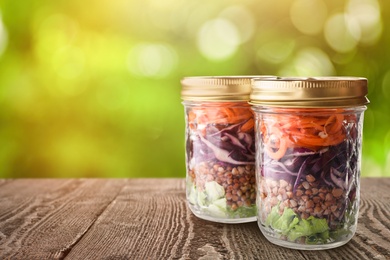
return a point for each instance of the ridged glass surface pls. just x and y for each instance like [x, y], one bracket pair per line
[307, 171]
[220, 160]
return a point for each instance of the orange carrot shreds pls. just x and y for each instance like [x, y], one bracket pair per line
[248, 126]
[311, 132]
[334, 124]
[307, 141]
[225, 113]
[276, 144]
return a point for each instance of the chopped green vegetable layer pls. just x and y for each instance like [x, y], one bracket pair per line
[213, 201]
[314, 230]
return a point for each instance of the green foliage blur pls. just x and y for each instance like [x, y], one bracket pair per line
[92, 88]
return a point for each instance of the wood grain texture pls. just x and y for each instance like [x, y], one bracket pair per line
[44, 219]
[149, 219]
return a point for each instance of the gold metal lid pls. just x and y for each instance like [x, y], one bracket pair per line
[310, 92]
[217, 88]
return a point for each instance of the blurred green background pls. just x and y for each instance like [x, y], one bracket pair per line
[92, 88]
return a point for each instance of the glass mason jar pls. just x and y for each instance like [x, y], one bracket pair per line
[308, 151]
[220, 149]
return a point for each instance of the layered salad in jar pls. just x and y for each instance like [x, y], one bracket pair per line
[220, 159]
[308, 175]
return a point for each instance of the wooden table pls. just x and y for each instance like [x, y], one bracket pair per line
[149, 219]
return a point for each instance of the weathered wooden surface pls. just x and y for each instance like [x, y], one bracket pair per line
[149, 219]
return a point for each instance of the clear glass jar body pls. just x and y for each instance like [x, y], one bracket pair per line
[307, 172]
[220, 161]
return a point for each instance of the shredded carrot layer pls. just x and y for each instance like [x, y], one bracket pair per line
[221, 114]
[282, 131]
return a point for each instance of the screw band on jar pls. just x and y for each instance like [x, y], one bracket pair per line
[312, 92]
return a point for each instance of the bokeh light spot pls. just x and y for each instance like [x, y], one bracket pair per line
[54, 32]
[3, 36]
[195, 18]
[218, 39]
[309, 16]
[342, 32]
[367, 14]
[69, 62]
[152, 60]
[344, 58]
[309, 62]
[276, 51]
[160, 13]
[386, 85]
[243, 20]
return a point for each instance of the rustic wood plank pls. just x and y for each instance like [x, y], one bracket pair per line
[374, 218]
[44, 219]
[149, 219]
[4, 181]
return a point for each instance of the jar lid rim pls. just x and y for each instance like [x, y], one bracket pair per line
[310, 91]
[218, 88]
